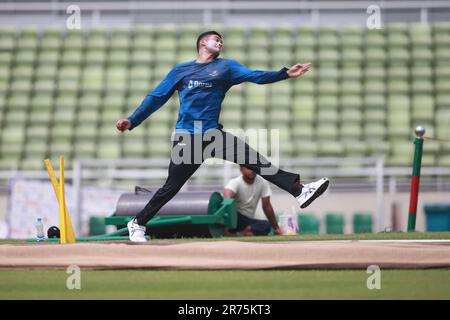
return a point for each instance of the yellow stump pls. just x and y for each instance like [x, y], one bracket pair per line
[65, 225]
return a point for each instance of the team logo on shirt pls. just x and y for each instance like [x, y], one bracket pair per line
[198, 84]
[214, 73]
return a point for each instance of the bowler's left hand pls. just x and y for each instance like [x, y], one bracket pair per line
[298, 69]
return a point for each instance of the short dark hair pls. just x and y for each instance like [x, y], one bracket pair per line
[204, 34]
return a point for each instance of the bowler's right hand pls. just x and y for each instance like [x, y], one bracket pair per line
[123, 124]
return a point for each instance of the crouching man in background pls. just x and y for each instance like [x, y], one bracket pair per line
[247, 189]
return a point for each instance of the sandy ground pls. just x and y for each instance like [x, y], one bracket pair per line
[229, 255]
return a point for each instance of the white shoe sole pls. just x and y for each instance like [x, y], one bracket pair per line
[323, 187]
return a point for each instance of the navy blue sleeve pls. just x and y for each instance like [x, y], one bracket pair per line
[155, 99]
[239, 74]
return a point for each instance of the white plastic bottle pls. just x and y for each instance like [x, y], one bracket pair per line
[40, 235]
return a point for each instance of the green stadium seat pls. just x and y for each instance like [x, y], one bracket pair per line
[61, 132]
[74, 39]
[374, 87]
[351, 87]
[141, 57]
[375, 55]
[375, 99]
[121, 57]
[305, 54]
[90, 101]
[304, 88]
[120, 39]
[27, 43]
[350, 131]
[328, 115]
[58, 148]
[51, 40]
[397, 86]
[44, 85]
[353, 102]
[325, 73]
[18, 86]
[423, 108]
[305, 149]
[41, 116]
[326, 131]
[95, 57]
[23, 72]
[109, 150]
[231, 115]
[442, 161]
[442, 121]
[88, 116]
[144, 30]
[17, 117]
[13, 134]
[46, 71]
[18, 102]
[158, 148]
[36, 133]
[84, 149]
[304, 109]
[420, 72]
[400, 73]
[353, 54]
[422, 86]
[374, 38]
[235, 36]
[422, 54]
[33, 163]
[351, 114]
[282, 38]
[256, 55]
[442, 85]
[108, 131]
[355, 148]
[351, 36]
[36, 149]
[10, 155]
[328, 55]
[420, 35]
[279, 116]
[331, 149]
[85, 132]
[328, 102]
[135, 149]
[305, 131]
[48, 57]
[7, 42]
[98, 39]
[349, 74]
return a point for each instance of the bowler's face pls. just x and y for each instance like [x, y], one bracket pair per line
[214, 43]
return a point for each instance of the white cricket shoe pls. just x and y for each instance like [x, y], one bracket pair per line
[136, 232]
[311, 191]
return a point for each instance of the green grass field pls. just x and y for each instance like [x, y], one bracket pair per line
[303, 237]
[227, 285]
